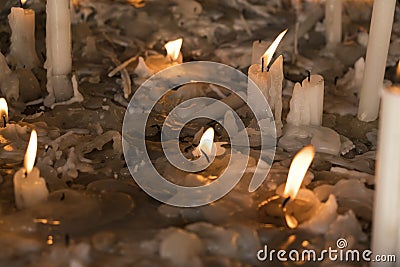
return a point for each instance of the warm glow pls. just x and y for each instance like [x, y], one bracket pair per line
[3, 109]
[297, 171]
[291, 221]
[30, 155]
[272, 48]
[398, 71]
[23, 2]
[206, 142]
[174, 48]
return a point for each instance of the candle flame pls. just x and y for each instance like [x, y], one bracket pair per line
[4, 109]
[298, 169]
[206, 142]
[23, 2]
[272, 48]
[174, 48]
[30, 155]
[398, 71]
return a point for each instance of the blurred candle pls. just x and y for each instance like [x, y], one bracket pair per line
[59, 55]
[269, 80]
[22, 50]
[333, 22]
[375, 65]
[386, 222]
[29, 187]
[307, 103]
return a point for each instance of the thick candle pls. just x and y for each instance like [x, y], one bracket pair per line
[268, 79]
[59, 55]
[29, 187]
[307, 103]
[378, 46]
[386, 222]
[22, 50]
[333, 22]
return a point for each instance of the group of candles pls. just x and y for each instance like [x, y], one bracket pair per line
[306, 106]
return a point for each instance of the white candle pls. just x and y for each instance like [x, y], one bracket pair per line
[174, 56]
[333, 22]
[59, 55]
[307, 103]
[269, 80]
[386, 222]
[22, 50]
[9, 82]
[29, 187]
[378, 46]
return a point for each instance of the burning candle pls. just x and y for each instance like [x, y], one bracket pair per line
[22, 50]
[3, 111]
[174, 56]
[206, 148]
[333, 22]
[29, 187]
[307, 103]
[269, 80]
[386, 221]
[59, 55]
[378, 46]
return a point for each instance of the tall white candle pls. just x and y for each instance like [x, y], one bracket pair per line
[29, 187]
[386, 223]
[59, 55]
[307, 103]
[22, 51]
[333, 22]
[378, 46]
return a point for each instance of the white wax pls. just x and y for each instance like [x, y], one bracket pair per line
[270, 84]
[333, 22]
[22, 50]
[378, 46]
[386, 222]
[9, 82]
[59, 55]
[307, 103]
[29, 190]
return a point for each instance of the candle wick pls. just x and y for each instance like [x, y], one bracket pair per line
[62, 197]
[20, 4]
[284, 203]
[308, 75]
[4, 121]
[205, 155]
[259, 41]
[262, 64]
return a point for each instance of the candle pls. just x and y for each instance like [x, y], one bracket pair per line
[3, 112]
[269, 80]
[59, 55]
[29, 187]
[206, 147]
[378, 45]
[333, 22]
[159, 62]
[22, 50]
[307, 103]
[386, 221]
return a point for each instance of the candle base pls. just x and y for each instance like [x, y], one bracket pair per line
[60, 89]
